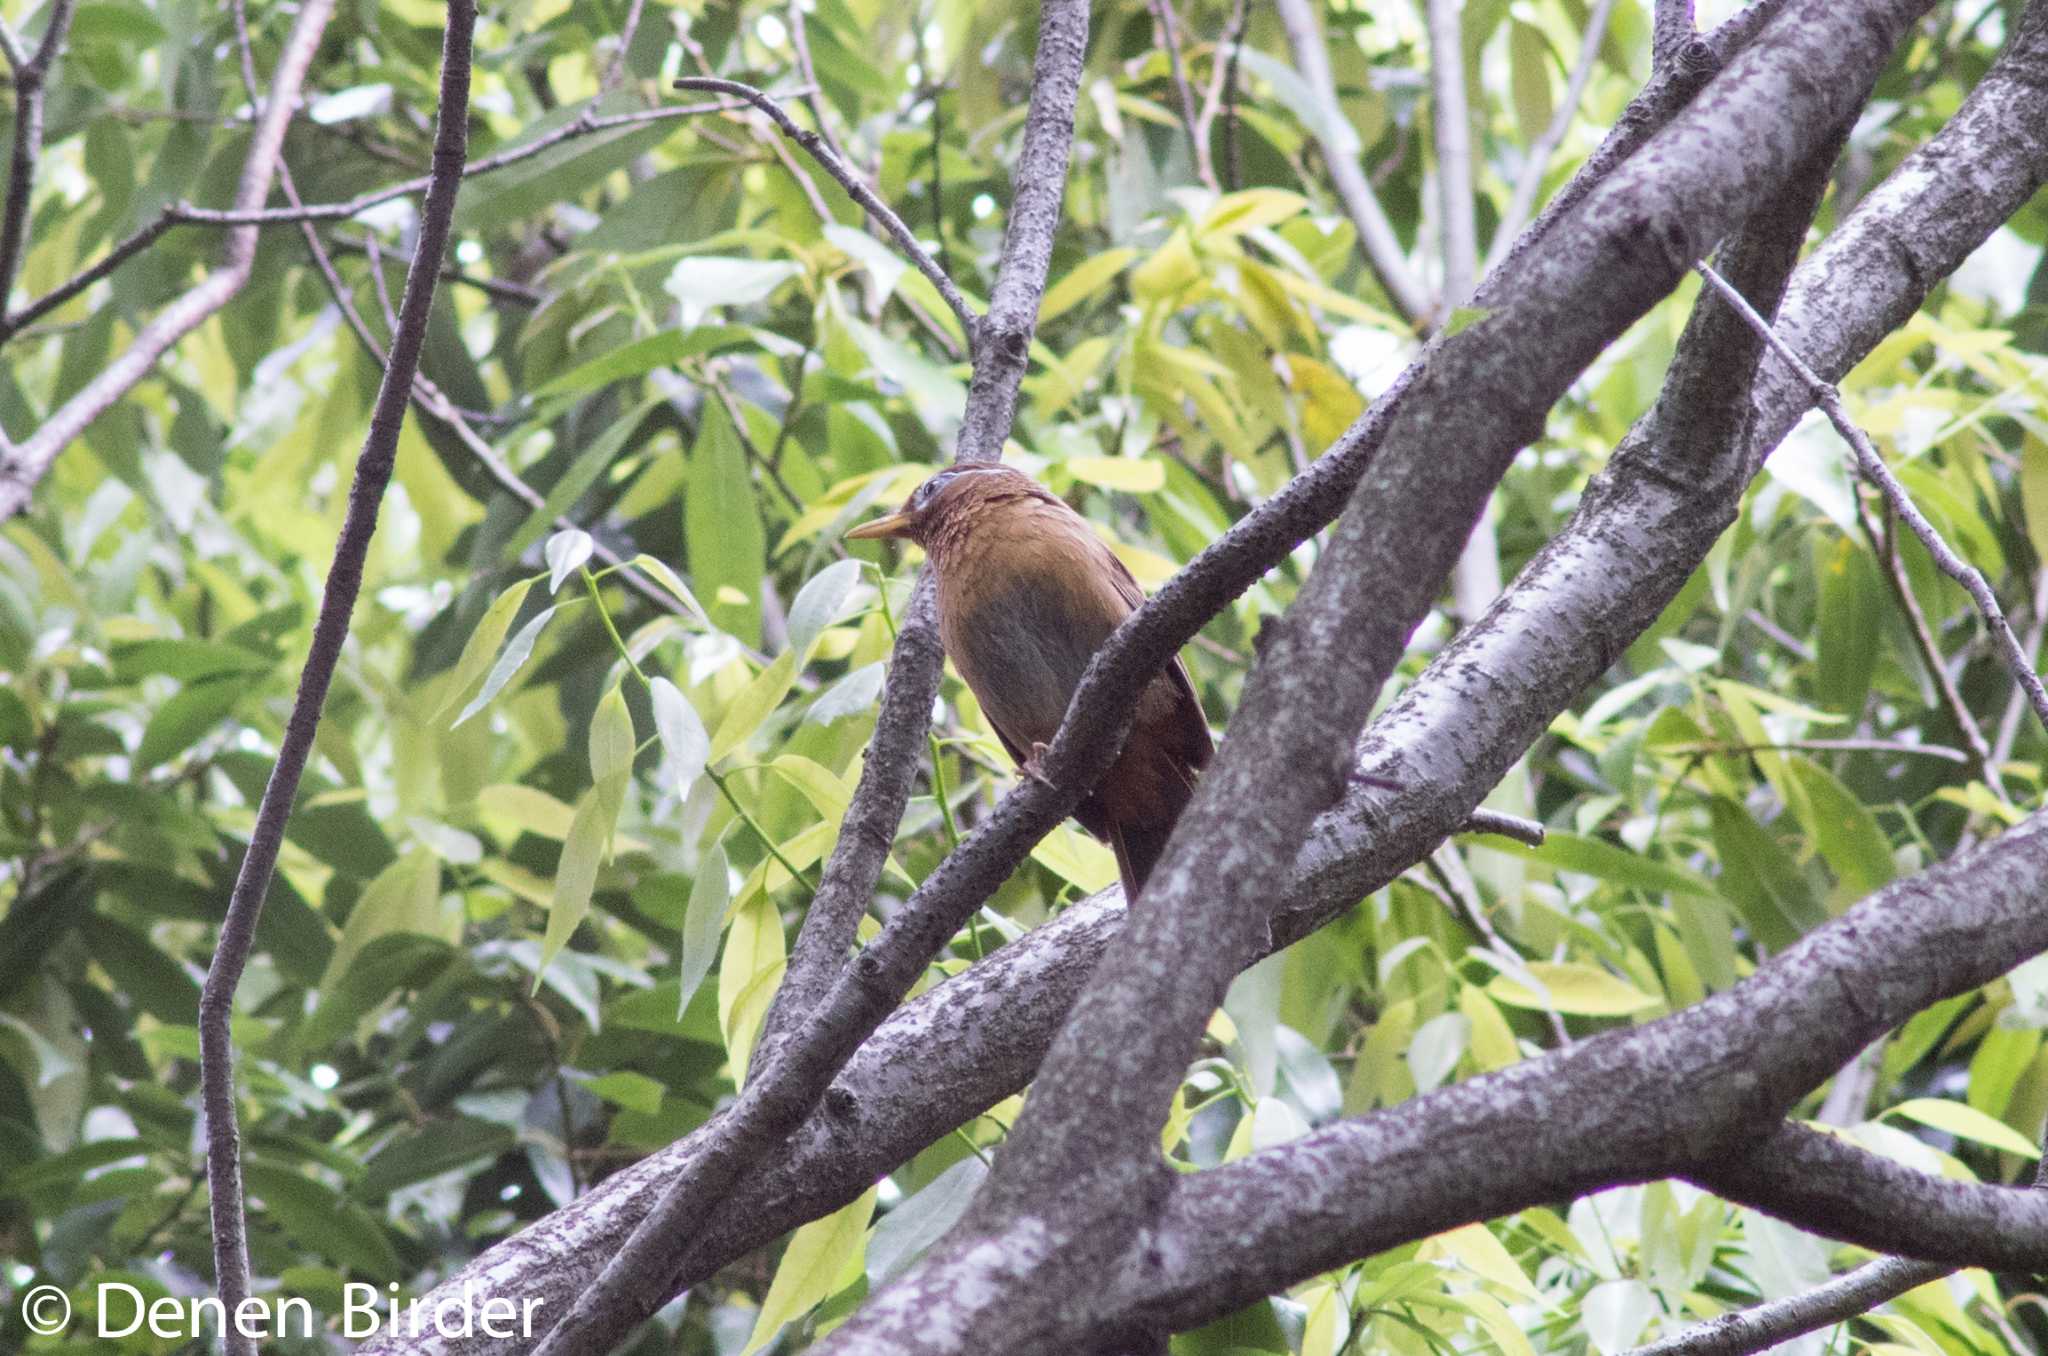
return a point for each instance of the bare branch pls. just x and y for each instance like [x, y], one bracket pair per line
[240, 215]
[1523, 199]
[616, 72]
[843, 173]
[1451, 120]
[1766, 1325]
[31, 459]
[1505, 825]
[31, 76]
[1671, 28]
[1874, 470]
[1168, 24]
[1376, 239]
[800, 43]
[344, 581]
[1830, 1186]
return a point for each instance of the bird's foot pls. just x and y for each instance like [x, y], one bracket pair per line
[1033, 765]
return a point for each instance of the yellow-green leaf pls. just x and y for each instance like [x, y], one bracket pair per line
[1585, 990]
[611, 737]
[483, 645]
[583, 851]
[828, 792]
[754, 961]
[1171, 268]
[1133, 475]
[818, 1256]
[760, 696]
[1236, 213]
[1966, 1122]
[404, 897]
[1084, 280]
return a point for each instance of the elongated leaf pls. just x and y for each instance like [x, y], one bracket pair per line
[483, 643]
[1571, 987]
[818, 604]
[1966, 1122]
[722, 527]
[565, 551]
[756, 700]
[517, 651]
[684, 743]
[818, 1256]
[703, 922]
[754, 961]
[583, 852]
[611, 738]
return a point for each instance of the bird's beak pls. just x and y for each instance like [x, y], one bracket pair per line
[889, 525]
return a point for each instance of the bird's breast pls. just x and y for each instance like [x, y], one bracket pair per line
[1021, 615]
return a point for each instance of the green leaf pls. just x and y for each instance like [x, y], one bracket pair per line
[583, 852]
[611, 738]
[1848, 628]
[665, 349]
[704, 281]
[703, 922]
[1592, 857]
[623, 1087]
[1133, 475]
[2034, 490]
[191, 713]
[483, 644]
[1083, 281]
[883, 264]
[517, 651]
[1252, 209]
[565, 552]
[683, 740]
[405, 897]
[818, 604]
[185, 660]
[1464, 318]
[429, 1150]
[916, 1223]
[1966, 1122]
[661, 574]
[1843, 829]
[722, 527]
[1760, 879]
[319, 1220]
[589, 464]
[1585, 990]
[818, 1256]
[762, 694]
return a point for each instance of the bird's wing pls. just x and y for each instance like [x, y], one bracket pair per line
[1187, 725]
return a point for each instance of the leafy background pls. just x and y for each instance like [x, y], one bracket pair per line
[539, 881]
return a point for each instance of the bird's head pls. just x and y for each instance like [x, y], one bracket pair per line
[944, 497]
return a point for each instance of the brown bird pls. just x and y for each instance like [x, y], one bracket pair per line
[1027, 594]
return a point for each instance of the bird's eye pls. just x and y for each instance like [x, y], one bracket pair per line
[929, 488]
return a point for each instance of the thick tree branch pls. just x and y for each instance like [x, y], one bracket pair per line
[790, 1075]
[31, 77]
[1082, 1161]
[330, 629]
[1638, 535]
[1832, 1187]
[25, 466]
[1377, 243]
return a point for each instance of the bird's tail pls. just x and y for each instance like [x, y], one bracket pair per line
[1138, 848]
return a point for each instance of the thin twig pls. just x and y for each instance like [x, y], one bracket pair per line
[1521, 829]
[1222, 94]
[843, 173]
[1377, 242]
[617, 70]
[1766, 1325]
[1523, 200]
[31, 77]
[1718, 749]
[1884, 544]
[800, 43]
[1168, 24]
[504, 289]
[2009, 723]
[179, 213]
[1451, 120]
[1874, 470]
[26, 464]
[344, 580]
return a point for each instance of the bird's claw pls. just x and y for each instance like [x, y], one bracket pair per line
[1033, 767]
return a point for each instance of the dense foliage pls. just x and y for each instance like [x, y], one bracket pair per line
[564, 813]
